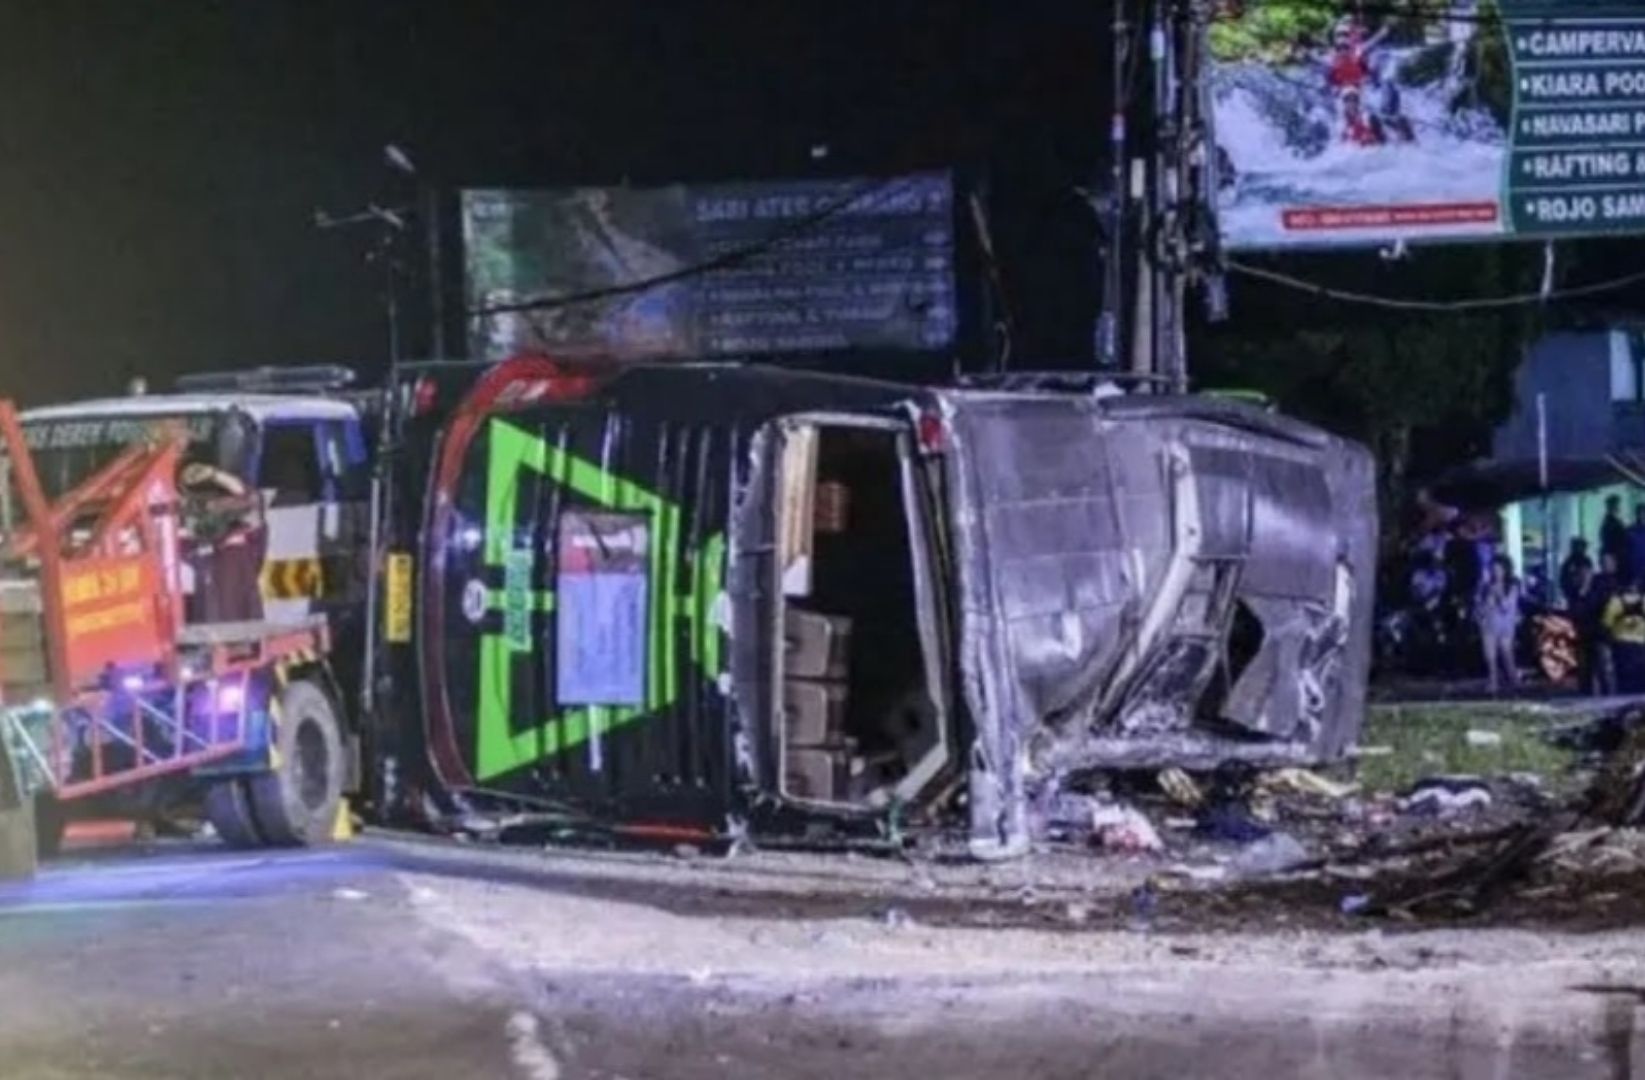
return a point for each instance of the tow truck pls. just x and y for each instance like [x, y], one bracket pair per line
[182, 583]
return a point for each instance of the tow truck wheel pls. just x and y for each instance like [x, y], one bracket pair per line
[228, 808]
[296, 803]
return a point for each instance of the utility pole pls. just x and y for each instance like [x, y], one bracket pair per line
[1175, 187]
[1205, 164]
[1154, 329]
[1110, 339]
[1162, 244]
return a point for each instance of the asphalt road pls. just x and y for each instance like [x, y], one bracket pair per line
[387, 958]
[202, 963]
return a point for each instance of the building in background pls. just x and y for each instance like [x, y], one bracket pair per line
[1576, 437]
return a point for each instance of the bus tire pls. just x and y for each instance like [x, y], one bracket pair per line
[296, 803]
[228, 808]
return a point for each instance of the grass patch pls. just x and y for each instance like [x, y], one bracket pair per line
[1429, 740]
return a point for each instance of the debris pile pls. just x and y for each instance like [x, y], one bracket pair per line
[1571, 852]
[1445, 846]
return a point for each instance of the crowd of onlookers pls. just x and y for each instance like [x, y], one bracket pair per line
[1465, 604]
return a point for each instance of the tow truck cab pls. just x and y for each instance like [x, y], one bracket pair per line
[245, 688]
[305, 455]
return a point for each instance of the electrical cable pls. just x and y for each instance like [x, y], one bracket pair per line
[1445, 306]
[811, 222]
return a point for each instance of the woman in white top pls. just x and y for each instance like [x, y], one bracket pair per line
[1497, 612]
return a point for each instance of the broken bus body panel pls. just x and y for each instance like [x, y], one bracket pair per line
[704, 596]
[1194, 585]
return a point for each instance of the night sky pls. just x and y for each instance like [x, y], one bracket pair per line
[163, 160]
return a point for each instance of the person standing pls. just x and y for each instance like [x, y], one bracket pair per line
[1613, 534]
[1607, 583]
[1625, 626]
[1497, 614]
[1586, 608]
[1576, 560]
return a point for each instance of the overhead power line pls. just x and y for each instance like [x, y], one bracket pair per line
[1399, 303]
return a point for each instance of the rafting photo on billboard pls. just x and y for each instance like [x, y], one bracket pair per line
[1340, 124]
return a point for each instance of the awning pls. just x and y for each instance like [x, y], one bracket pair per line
[1489, 484]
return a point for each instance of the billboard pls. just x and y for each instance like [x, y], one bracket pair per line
[748, 268]
[1468, 119]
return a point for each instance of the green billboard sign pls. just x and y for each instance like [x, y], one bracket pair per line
[1577, 158]
[1474, 119]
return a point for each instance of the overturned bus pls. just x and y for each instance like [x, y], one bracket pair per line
[699, 599]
